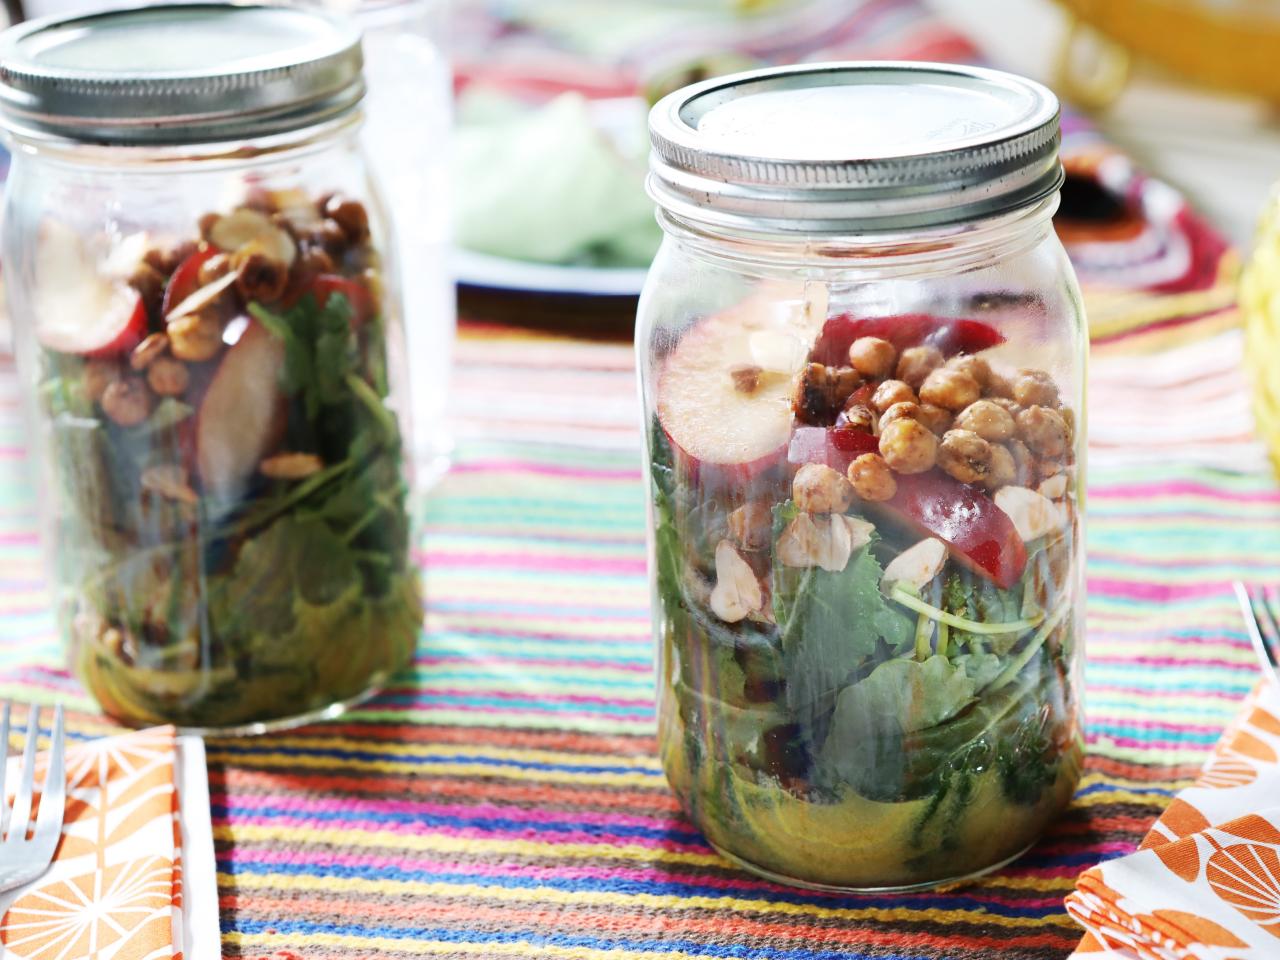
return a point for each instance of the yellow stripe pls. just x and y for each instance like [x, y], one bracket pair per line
[440, 769]
[648, 763]
[433, 947]
[579, 898]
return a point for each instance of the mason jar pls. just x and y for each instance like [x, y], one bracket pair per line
[209, 337]
[861, 352]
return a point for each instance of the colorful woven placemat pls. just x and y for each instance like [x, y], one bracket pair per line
[503, 799]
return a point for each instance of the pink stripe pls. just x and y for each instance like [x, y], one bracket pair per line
[634, 716]
[516, 632]
[508, 661]
[1171, 661]
[20, 536]
[1148, 491]
[593, 564]
[1156, 591]
[546, 470]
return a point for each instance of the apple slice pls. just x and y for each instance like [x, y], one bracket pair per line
[950, 335]
[77, 308]
[242, 417]
[978, 534]
[835, 446]
[733, 426]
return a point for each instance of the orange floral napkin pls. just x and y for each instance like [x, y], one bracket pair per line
[116, 889]
[1205, 884]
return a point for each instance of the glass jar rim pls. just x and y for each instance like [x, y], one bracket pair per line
[852, 147]
[105, 77]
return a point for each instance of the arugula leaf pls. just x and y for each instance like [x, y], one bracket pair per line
[830, 623]
[974, 597]
[320, 349]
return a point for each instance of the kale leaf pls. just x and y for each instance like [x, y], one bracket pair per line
[830, 623]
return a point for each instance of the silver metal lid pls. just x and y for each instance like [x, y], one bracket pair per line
[178, 73]
[854, 147]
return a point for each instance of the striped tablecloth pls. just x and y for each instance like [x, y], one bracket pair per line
[503, 799]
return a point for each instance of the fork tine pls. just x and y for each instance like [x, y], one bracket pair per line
[53, 798]
[1250, 611]
[1269, 627]
[21, 815]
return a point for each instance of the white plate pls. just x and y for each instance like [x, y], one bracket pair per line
[501, 273]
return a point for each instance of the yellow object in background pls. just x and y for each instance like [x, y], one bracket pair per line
[1260, 307]
[1227, 44]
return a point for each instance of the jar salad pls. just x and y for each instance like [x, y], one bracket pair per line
[215, 393]
[864, 460]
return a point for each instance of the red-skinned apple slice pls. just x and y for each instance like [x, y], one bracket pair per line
[78, 309]
[242, 416]
[722, 428]
[834, 446]
[951, 335]
[978, 534]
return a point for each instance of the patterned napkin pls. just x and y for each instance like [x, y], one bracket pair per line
[116, 888]
[1205, 884]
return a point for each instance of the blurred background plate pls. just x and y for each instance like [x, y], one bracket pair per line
[501, 273]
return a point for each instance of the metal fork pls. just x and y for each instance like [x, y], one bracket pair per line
[1263, 626]
[23, 857]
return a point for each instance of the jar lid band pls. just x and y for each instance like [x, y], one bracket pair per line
[850, 147]
[178, 73]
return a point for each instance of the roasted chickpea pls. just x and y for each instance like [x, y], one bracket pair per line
[1043, 430]
[149, 350]
[872, 357]
[98, 374]
[348, 214]
[908, 446]
[916, 363]
[951, 389]
[166, 259]
[857, 416]
[891, 392]
[328, 236]
[1024, 463]
[938, 419]
[821, 393]
[998, 385]
[1006, 404]
[818, 488]
[987, 419]
[1035, 388]
[313, 259]
[906, 410]
[1003, 470]
[871, 478]
[195, 337]
[751, 525]
[975, 367]
[259, 277]
[126, 401]
[149, 282]
[965, 456]
[168, 377]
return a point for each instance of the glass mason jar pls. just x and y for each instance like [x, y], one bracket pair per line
[209, 337]
[861, 352]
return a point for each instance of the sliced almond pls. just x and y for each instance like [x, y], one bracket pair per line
[737, 591]
[1032, 513]
[1054, 487]
[202, 298]
[244, 226]
[291, 466]
[917, 565]
[170, 481]
[822, 541]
